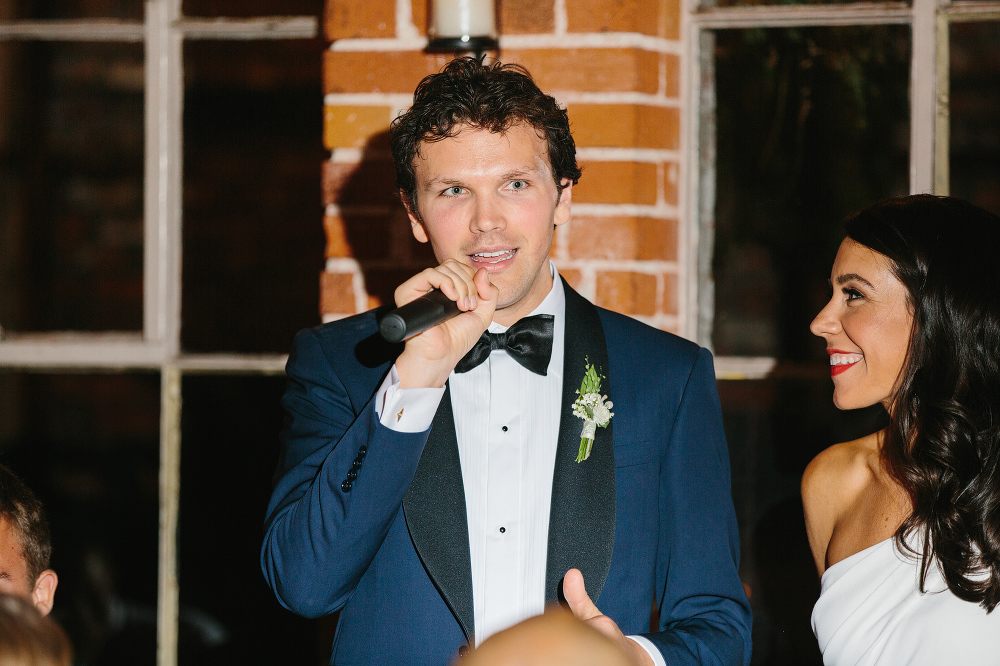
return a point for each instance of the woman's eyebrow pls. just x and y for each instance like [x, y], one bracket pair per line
[847, 277]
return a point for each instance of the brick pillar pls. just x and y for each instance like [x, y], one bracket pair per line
[614, 65]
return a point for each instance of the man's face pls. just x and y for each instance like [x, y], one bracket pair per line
[489, 201]
[13, 567]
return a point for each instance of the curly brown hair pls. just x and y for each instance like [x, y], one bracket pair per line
[493, 97]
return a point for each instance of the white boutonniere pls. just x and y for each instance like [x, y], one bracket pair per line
[593, 408]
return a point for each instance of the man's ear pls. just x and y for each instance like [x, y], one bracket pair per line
[416, 223]
[565, 202]
[44, 594]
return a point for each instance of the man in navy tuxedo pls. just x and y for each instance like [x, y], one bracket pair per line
[431, 491]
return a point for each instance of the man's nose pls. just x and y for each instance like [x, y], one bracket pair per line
[487, 215]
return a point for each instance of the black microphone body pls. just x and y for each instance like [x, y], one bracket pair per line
[417, 316]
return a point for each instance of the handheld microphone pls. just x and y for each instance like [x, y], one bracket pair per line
[417, 316]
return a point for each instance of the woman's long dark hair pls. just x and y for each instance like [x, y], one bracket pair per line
[943, 441]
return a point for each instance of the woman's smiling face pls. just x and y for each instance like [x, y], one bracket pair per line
[866, 326]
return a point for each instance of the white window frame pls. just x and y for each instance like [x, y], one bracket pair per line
[157, 346]
[929, 130]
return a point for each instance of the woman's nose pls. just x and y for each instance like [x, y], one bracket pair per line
[826, 322]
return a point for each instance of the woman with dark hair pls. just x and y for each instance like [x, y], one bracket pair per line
[904, 524]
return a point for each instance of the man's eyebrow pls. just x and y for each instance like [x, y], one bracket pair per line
[518, 173]
[847, 277]
[442, 180]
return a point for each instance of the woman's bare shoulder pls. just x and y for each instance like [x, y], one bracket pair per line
[831, 484]
[842, 469]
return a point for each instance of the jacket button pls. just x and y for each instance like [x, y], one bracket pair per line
[346, 486]
[463, 650]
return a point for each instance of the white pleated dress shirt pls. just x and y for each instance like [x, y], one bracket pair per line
[507, 425]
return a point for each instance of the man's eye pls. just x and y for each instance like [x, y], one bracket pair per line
[453, 191]
[518, 184]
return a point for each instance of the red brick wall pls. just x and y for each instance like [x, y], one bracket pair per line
[614, 64]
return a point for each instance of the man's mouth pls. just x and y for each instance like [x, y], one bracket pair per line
[841, 361]
[493, 257]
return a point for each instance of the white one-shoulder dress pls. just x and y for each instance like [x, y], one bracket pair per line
[870, 611]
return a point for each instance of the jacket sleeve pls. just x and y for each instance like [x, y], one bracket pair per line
[704, 614]
[320, 534]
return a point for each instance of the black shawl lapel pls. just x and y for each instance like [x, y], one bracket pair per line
[582, 518]
[434, 508]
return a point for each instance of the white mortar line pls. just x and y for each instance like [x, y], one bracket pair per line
[342, 265]
[360, 293]
[405, 28]
[368, 99]
[644, 155]
[561, 19]
[593, 40]
[623, 97]
[628, 210]
[334, 210]
[563, 40]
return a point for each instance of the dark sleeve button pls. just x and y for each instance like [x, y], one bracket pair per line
[357, 465]
[463, 650]
[346, 486]
[352, 475]
[363, 451]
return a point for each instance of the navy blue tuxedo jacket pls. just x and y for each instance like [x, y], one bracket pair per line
[648, 518]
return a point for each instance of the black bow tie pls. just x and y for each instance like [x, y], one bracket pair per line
[528, 341]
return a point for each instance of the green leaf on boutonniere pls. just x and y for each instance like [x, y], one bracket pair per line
[592, 407]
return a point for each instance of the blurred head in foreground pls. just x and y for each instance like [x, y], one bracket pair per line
[553, 639]
[28, 638]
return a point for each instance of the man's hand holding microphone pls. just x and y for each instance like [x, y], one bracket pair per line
[430, 357]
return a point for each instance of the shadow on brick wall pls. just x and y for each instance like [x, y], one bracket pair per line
[375, 223]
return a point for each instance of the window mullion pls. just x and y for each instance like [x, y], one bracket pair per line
[164, 90]
[942, 126]
[162, 288]
[923, 95]
[167, 598]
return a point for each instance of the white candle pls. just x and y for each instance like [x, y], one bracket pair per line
[463, 18]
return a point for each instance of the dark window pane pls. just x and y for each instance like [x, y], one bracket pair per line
[253, 233]
[228, 614]
[88, 446]
[774, 428]
[71, 176]
[242, 8]
[811, 125]
[974, 101]
[72, 9]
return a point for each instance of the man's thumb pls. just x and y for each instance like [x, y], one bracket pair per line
[576, 596]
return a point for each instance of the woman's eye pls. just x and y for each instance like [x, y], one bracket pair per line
[852, 294]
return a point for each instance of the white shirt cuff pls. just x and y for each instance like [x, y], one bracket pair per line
[406, 410]
[648, 646]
